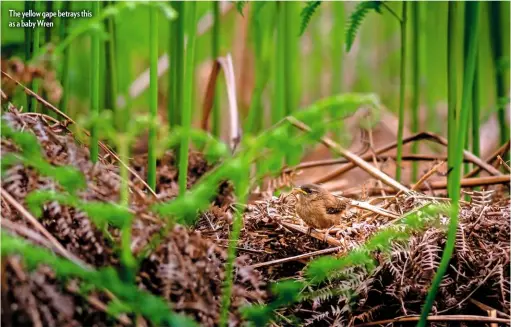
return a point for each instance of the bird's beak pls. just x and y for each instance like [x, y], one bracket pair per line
[297, 190]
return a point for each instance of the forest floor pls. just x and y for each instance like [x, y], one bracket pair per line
[186, 267]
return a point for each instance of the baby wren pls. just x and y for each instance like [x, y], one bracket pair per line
[317, 207]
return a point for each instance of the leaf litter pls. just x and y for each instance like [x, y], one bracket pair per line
[186, 268]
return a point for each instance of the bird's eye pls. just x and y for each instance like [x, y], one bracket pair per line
[307, 190]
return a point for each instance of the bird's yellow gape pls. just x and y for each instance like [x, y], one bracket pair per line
[297, 190]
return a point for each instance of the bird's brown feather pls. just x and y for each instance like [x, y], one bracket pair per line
[334, 205]
[320, 209]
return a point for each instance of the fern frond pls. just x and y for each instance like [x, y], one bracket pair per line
[306, 14]
[138, 301]
[357, 17]
[240, 5]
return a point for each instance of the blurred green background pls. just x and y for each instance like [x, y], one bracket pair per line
[372, 65]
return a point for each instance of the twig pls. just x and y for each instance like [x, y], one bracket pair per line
[375, 162]
[485, 307]
[504, 163]
[31, 308]
[427, 175]
[37, 225]
[493, 314]
[473, 291]
[416, 185]
[423, 178]
[60, 113]
[99, 305]
[240, 249]
[374, 209]
[440, 185]
[42, 116]
[297, 257]
[482, 319]
[500, 151]
[406, 157]
[329, 239]
[356, 160]
[27, 232]
[419, 136]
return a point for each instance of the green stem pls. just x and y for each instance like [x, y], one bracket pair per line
[416, 82]
[48, 31]
[128, 261]
[35, 51]
[337, 41]
[111, 72]
[430, 12]
[187, 95]
[95, 87]
[476, 147]
[455, 176]
[452, 40]
[176, 63]
[123, 145]
[466, 165]
[496, 27]
[123, 69]
[401, 93]
[279, 108]
[153, 95]
[316, 66]
[180, 61]
[263, 26]
[64, 76]
[241, 194]
[29, 41]
[47, 40]
[215, 46]
[291, 57]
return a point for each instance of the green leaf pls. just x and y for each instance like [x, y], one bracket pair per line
[306, 14]
[168, 11]
[357, 17]
[36, 199]
[116, 307]
[26, 141]
[320, 268]
[182, 209]
[139, 302]
[215, 151]
[102, 213]
[70, 178]
[240, 5]
[7, 161]
[287, 292]
[502, 64]
[294, 153]
[274, 164]
[260, 315]
[258, 5]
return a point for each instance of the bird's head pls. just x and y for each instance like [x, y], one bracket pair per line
[308, 191]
